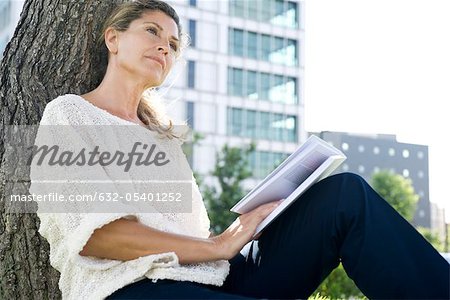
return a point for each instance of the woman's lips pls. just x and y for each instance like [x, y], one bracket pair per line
[158, 60]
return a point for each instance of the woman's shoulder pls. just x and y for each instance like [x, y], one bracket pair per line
[65, 102]
[68, 109]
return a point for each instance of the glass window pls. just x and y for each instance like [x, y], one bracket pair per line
[284, 13]
[265, 48]
[405, 153]
[235, 82]
[252, 162]
[193, 32]
[265, 86]
[291, 90]
[278, 17]
[250, 124]
[238, 82]
[391, 152]
[276, 93]
[266, 163]
[229, 121]
[252, 45]
[291, 53]
[405, 173]
[237, 42]
[278, 127]
[262, 125]
[277, 51]
[262, 46]
[252, 87]
[190, 114]
[235, 121]
[237, 8]
[252, 9]
[266, 9]
[230, 81]
[291, 128]
[292, 15]
[262, 86]
[230, 41]
[193, 2]
[191, 74]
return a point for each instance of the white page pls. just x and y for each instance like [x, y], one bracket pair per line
[321, 172]
[285, 179]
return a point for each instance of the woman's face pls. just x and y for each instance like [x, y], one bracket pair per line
[148, 48]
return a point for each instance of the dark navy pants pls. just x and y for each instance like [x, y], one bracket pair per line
[341, 218]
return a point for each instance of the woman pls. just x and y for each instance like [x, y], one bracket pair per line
[125, 254]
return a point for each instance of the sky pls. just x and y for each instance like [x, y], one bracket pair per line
[382, 67]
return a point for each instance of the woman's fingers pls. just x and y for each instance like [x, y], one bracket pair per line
[264, 210]
[241, 231]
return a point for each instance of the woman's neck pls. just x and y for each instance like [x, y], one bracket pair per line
[118, 95]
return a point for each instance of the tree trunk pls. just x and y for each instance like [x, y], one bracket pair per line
[53, 52]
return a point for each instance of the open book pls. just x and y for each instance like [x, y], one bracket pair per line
[311, 162]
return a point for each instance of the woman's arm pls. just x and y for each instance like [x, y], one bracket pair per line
[126, 239]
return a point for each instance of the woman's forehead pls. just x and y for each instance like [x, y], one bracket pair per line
[159, 18]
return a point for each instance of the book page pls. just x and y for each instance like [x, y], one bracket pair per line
[321, 172]
[291, 173]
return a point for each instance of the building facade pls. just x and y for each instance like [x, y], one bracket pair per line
[242, 78]
[367, 154]
[438, 224]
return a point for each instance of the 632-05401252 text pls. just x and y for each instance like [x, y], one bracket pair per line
[100, 197]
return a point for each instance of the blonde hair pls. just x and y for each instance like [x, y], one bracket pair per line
[150, 109]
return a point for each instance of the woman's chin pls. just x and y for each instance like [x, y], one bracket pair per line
[153, 83]
[152, 80]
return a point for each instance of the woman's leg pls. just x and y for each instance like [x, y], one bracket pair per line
[340, 218]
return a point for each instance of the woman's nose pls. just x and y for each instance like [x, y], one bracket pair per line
[164, 48]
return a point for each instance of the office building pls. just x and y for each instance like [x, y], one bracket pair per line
[368, 154]
[242, 78]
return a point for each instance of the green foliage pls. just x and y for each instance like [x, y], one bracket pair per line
[188, 146]
[230, 170]
[339, 286]
[318, 296]
[397, 191]
[188, 149]
[432, 238]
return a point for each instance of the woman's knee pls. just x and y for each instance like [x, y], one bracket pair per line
[347, 179]
[346, 175]
[341, 186]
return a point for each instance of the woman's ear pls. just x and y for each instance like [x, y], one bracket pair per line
[111, 40]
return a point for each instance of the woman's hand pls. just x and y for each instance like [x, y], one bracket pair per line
[241, 231]
[125, 239]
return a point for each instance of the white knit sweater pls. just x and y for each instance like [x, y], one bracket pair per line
[67, 233]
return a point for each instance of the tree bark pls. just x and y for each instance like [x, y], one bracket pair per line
[53, 52]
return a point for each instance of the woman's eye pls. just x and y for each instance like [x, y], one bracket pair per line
[152, 30]
[174, 47]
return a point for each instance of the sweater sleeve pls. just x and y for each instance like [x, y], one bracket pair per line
[67, 225]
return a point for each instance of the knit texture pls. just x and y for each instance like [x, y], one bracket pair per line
[67, 232]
